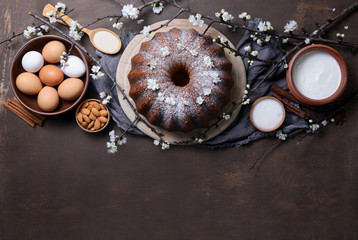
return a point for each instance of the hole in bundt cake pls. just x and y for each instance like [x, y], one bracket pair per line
[180, 76]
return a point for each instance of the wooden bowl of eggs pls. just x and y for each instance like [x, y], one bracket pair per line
[41, 83]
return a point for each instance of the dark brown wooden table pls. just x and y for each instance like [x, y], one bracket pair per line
[58, 182]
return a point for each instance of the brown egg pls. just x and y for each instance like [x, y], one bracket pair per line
[52, 51]
[28, 83]
[70, 89]
[48, 99]
[51, 75]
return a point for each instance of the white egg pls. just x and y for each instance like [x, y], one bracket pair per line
[74, 67]
[32, 61]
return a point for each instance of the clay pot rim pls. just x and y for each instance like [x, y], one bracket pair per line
[344, 75]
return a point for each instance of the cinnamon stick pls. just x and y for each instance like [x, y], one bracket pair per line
[19, 114]
[292, 108]
[26, 112]
[287, 95]
[42, 117]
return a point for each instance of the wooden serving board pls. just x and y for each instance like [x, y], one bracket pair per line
[124, 67]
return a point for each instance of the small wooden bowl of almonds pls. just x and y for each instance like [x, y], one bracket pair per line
[92, 116]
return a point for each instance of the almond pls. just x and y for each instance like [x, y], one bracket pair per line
[102, 119]
[85, 111]
[95, 112]
[90, 125]
[79, 117]
[86, 118]
[92, 116]
[103, 113]
[96, 105]
[84, 124]
[97, 124]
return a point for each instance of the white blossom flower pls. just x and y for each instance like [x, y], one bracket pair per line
[208, 62]
[112, 147]
[199, 100]
[186, 102]
[254, 36]
[199, 140]
[165, 51]
[158, 7]
[244, 16]
[281, 135]
[112, 136]
[285, 66]
[95, 68]
[121, 141]
[250, 62]
[60, 7]
[165, 145]
[152, 84]
[226, 116]
[140, 21]
[161, 96]
[31, 29]
[39, 34]
[307, 41]
[248, 86]
[246, 102]
[180, 46]
[170, 101]
[196, 20]
[102, 94]
[346, 27]
[51, 16]
[314, 127]
[315, 32]
[27, 34]
[264, 26]
[146, 31]
[207, 92]
[117, 25]
[334, 9]
[285, 40]
[106, 99]
[97, 74]
[45, 28]
[340, 35]
[156, 142]
[152, 64]
[194, 52]
[129, 11]
[254, 53]
[74, 31]
[226, 17]
[259, 42]
[290, 26]
[215, 77]
[223, 39]
[324, 123]
[267, 38]
[247, 48]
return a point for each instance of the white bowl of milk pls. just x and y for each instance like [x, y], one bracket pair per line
[317, 75]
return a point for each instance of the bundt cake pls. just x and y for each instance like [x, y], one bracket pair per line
[180, 81]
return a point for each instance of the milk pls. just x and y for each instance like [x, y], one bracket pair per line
[267, 114]
[316, 75]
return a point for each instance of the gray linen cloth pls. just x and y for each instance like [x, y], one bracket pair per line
[241, 131]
